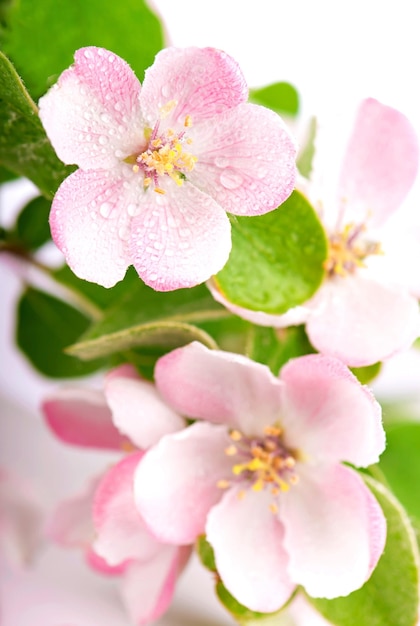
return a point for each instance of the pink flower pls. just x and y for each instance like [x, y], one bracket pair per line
[103, 521]
[21, 519]
[160, 164]
[264, 480]
[366, 310]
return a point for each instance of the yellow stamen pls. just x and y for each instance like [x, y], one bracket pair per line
[188, 121]
[159, 190]
[273, 431]
[167, 108]
[136, 168]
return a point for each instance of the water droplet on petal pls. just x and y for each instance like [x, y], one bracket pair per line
[124, 233]
[221, 161]
[88, 54]
[119, 154]
[132, 209]
[230, 179]
[105, 209]
[103, 139]
[105, 118]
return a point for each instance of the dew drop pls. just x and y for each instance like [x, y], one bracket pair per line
[105, 118]
[230, 179]
[158, 245]
[124, 233]
[111, 58]
[105, 209]
[221, 161]
[132, 209]
[87, 115]
[117, 106]
[103, 139]
[88, 54]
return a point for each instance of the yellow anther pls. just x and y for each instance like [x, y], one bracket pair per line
[159, 190]
[274, 508]
[241, 494]
[223, 484]
[273, 431]
[136, 168]
[294, 479]
[168, 107]
[231, 450]
[146, 182]
[258, 485]
[289, 462]
[188, 121]
[235, 435]
[275, 491]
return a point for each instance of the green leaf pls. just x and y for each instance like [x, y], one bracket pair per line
[282, 98]
[307, 152]
[391, 595]
[43, 36]
[6, 175]
[401, 464]
[367, 373]
[205, 553]
[275, 346]
[277, 259]
[24, 146]
[32, 228]
[144, 317]
[45, 327]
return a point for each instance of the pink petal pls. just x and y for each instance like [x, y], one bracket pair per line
[176, 482]
[293, 317]
[21, 519]
[221, 387]
[82, 417]
[246, 160]
[201, 81]
[90, 223]
[121, 534]
[138, 411]
[362, 321]
[248, 543]
[380, 164]
[148, 587]
[334, 531]
[328, 414]
[92, 115]
[71, 523]
[180, 238]
[99, 564]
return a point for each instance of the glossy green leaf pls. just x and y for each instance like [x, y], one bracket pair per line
[277, 259]
[45, 327]
[24, 146]
[282, 98]
[401, 464]
[144, 317]
[32, 228]
[275, 346]
[42, 36]
[391, 595]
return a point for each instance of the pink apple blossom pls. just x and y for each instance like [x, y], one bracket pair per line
[103, 520]
[160, 164]
[264, 480]
[366, 310]
[22, 517]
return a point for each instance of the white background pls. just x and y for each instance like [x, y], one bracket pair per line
[335, 53]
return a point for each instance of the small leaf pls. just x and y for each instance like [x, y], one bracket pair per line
[367, 373]
[277, 259]
[32, 227]
[144, 317]
[401, 464]
[282, 98]
[391, 595]
[24, 146]
[275, 346]
[42, 36]
[45, 327]
[306, 154]
[206, 553]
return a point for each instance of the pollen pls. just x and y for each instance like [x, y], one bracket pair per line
[188, 121]
[347, 250]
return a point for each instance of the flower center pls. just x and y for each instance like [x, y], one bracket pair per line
[263, 461]
[347, 250]
[165, 154]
